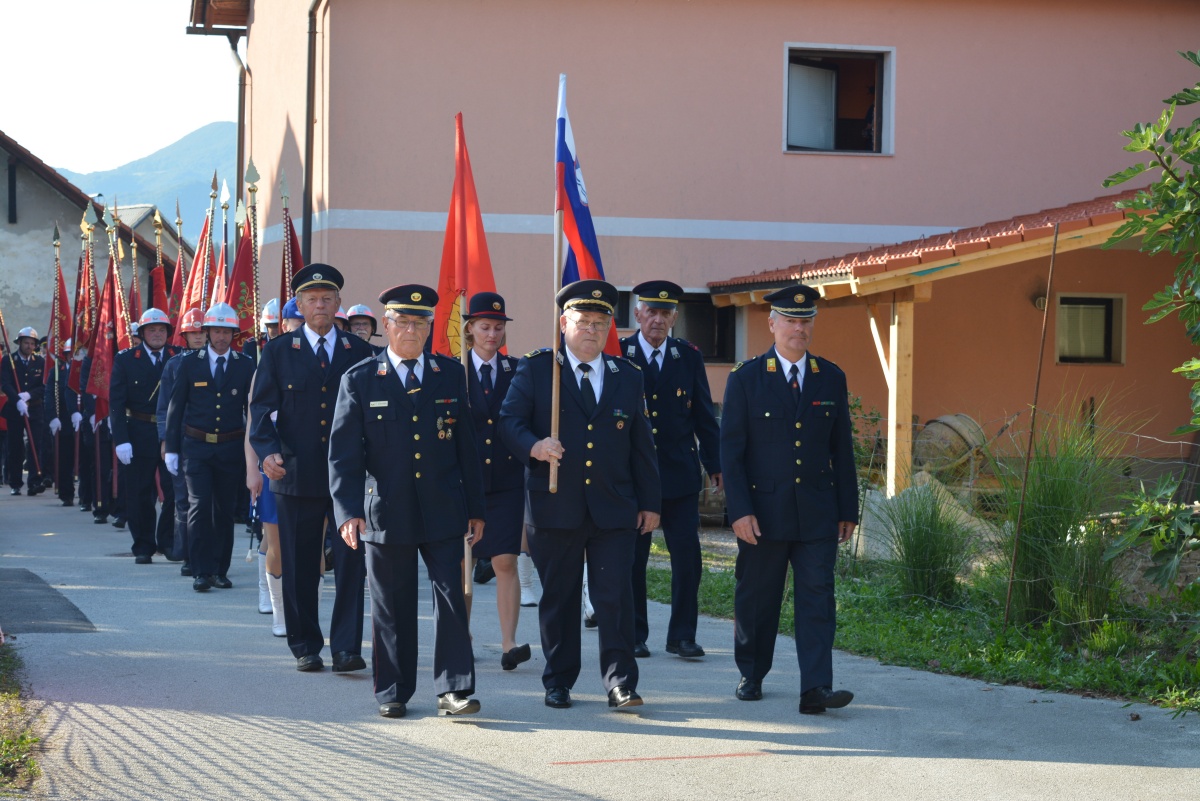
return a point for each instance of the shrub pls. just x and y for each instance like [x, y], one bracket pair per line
[929, 544]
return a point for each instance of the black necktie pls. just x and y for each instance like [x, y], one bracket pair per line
[154, 359]
[485, 378]
[410, 381]
[653, 369]
[794, 382]
[321, 354]
[220, 374]
[585, 388]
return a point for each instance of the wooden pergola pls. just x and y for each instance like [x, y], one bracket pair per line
[901, 276]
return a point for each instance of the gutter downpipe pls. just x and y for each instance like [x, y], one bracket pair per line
[241, 127]
[310, 110]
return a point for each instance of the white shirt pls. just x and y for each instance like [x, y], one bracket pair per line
[786, 366]
[479, 363]
[313, 336]
[212, 360]
[150, 353]
[402, 369]
[648, 349]
[596, 376]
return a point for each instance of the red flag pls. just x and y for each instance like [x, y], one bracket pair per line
[135, 297]
[198, 278]
[176, 298]
[293, 259]
[218, 287]
[86, 293]
[466, 265]
[104, 348]
[158, 288]
[241, 289]
[60, 319]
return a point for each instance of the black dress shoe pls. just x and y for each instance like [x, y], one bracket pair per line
[558, 697]
[818, 699]
[621, 697]
[395, 709]
[457, 704]
[15, 491]
[640, 650]
[344, 662]
[484, 572]
[143, 559]
[515, 656]
[220, 582]
[685, 648]
[309, 663]
[171, 557]
[100, 520]
[68, 502]
[85, 507]
[119, 522]
[589, 622]
[185, 569]
[201, 584]
[749, 690]
[36, 489]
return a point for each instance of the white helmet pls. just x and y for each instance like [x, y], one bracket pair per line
[153, 316]
[26, 332]
[134, 328]
[221, 315]
[341, 314]
[270, 314]
[363, 310]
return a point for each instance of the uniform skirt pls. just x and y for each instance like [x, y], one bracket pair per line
[267, 512]
[505, 516]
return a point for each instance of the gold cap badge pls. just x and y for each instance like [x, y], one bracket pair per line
[416, 296]
[662, 294]
[496, 305]
[596, 293]
[317, 276]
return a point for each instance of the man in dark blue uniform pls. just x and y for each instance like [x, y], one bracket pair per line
[95, 453]
[608, 490]
[681, 414]
[206, 426]
[405, 477]
[194, 337]
[787, 457]
[298, 377]
[21, 379]
[133, 400]
[62, 403]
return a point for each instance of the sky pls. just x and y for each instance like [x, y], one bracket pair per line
[117, 56]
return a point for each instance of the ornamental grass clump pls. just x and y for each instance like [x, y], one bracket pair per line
[928, 544]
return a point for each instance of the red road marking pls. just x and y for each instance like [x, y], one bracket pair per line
[661, 758]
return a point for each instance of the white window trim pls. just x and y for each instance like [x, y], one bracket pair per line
[887, 145]
[1119, 329]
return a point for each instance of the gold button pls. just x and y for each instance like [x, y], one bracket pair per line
[653, 397]
[654, 414]
[589, 444]
[414, 418]
[654, 431]
[489, 421]
[218, 406]
[322, 406]
[588, 463]
[799, 462]
[418, 475]
[768, 414]
[416, 436]
[218, 394]
[218, 419]
[587, 481]
[370, 490]
[589, 426]
[487, 461]
[379, 417]
[416, 456]
[289, 386]
[826, 414]
[797, 425]
[797, 481]
[487, 442]
[797, 443]
[323, 439]
[323, 422]
[323, 389]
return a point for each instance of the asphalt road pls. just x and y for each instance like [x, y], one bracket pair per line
[152, 691]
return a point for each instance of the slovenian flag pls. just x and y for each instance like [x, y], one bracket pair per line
[583, 251]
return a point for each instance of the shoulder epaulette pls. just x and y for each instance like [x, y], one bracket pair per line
[631, 363]
[740, 364]
[536, 352]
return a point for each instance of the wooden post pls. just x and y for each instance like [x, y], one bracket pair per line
[900, 369]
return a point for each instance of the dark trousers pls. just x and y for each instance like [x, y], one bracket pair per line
[394, 617]
[761, 573]
[559, 556]
[302, 547]
[95, 460]
[144, 477]
[66, 463]
[681, 529]
[18, 456]
[213, 472]
[179, 545]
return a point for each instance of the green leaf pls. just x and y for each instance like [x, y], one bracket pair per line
[1127, 173]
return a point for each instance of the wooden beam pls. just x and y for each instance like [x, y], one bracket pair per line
[741, 298]
[832, 291]
[923, 293]
[899, 447]
[721, 301]
[759, 295]
[883, 360]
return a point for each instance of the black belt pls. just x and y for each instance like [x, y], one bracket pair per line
[144, 417]
[204, 436]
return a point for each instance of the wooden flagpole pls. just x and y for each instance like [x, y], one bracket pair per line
[556, 380]
[464, 355]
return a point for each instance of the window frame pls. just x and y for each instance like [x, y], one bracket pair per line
[1114, 326]
[887, 140]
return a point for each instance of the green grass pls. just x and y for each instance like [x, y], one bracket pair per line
[17, 736]
[1145, 655]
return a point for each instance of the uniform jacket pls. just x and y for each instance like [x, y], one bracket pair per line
[290, 380]
[67, 401]
[681, 412]
[790, 464]
[608, 469]
[166, 386]
[197, 401]
[133, 386]
[405, 462]
[501, 469]
[30, 374]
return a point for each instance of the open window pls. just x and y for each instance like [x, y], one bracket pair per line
[837, 100]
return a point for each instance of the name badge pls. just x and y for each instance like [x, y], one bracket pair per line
[375, 404]
[200, 384]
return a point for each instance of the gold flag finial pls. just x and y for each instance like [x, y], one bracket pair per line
[158, 223]
[213, 194]
[178, 219]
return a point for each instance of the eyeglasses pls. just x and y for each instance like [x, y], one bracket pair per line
[580, 325]
[411, 325]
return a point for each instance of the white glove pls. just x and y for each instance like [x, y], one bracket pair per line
[92, 421]
[23, 396]
[55, 425]
[22, 406]
[125, 453]
[76, 419]
[274, 416]
[172, 460]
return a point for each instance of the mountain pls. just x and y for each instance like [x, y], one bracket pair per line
[182, 171]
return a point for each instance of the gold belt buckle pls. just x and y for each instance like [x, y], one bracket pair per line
[211, 438]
